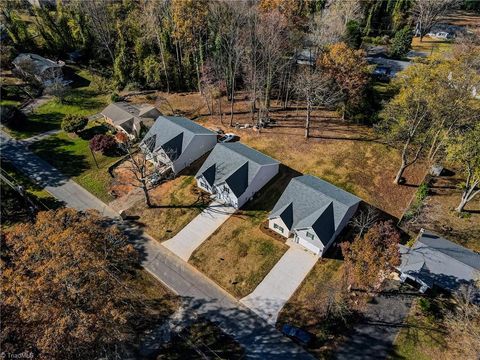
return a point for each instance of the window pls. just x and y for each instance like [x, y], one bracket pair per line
[310, 235]
[278, 227]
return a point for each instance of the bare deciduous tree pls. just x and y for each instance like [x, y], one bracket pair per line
[364, 220]
[315, 89]
[427, 13]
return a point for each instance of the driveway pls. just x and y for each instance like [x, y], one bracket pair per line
[198, 230]
[373, 337]
[280, 283]
[202, 296]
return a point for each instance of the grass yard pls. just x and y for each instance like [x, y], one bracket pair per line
[206, 338]
[346, 154]
[431, 46]
[306, 308]
[422, 338]
[81, 100]
[438, 215]
[177, 202]
[72, 156]
[240, 253]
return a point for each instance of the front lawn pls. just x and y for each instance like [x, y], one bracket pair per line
[240, 253]
[177, 202]
[81, 100]
[307, 308]
[72, 156]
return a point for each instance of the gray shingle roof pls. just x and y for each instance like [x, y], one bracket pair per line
[236, 164]
[315, 203]
[40, 63]
[122, 112]
[174, 132]
[435, 260]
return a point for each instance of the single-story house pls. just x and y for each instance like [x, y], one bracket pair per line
[130, 118]
[176, 142]
[33, 66]
[234, 172]
[313, 211]
[435, 261]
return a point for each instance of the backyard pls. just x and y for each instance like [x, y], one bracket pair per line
[241, 251]
[71, 154]
[436, 213]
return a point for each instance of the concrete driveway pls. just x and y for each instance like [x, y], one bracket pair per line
[198, 230]
[280, 283]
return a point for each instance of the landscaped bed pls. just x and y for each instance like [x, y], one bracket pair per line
[240, 253]
[176, 203]
[71, 155]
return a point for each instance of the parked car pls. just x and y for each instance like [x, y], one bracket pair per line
[301, 336]
[227, 138]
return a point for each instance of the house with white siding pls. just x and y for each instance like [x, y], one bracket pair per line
[176, 142]
[234, 172]
[313, 211]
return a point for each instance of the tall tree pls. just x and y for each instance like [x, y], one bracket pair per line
[315, 89]
[369, 258]
[63, 292]
[427, 13]
[464, 149]
[350, 71]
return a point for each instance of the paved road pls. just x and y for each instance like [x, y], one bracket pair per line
[60, 186]
[373, 337]
[259, 339]
[198, 230]
[278, 286]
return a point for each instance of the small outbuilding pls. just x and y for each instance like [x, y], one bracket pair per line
[33, 66]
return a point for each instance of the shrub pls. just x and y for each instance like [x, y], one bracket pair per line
[353, 34]
[115, 97]
[74, 123]
[401, 43]
[425, 305]
[106, 144]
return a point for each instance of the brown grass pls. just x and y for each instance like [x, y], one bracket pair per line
[239, 254]
[177, 202]
[306, 307]
[439, 216]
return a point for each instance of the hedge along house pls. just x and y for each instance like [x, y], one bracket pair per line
[313, 211]
[130, 118]
[234, 172]
[176, 142]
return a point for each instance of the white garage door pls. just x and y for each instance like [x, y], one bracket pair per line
[308, 245]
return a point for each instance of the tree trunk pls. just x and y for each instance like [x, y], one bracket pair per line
[220, 109]
[400, 172]
[147, 195]
[462, 204]
[307, 123]
[232, 100]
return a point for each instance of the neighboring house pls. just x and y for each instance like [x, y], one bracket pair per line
[435, 261]
[177, 142]
[32, 66]
[313, 211]
[234, 172]
[130, 118]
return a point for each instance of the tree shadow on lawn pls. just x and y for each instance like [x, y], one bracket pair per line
[84, 99]
[54, 151]
[36, 123]
[77, 80]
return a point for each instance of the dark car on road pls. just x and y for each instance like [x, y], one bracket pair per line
[301, 336]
